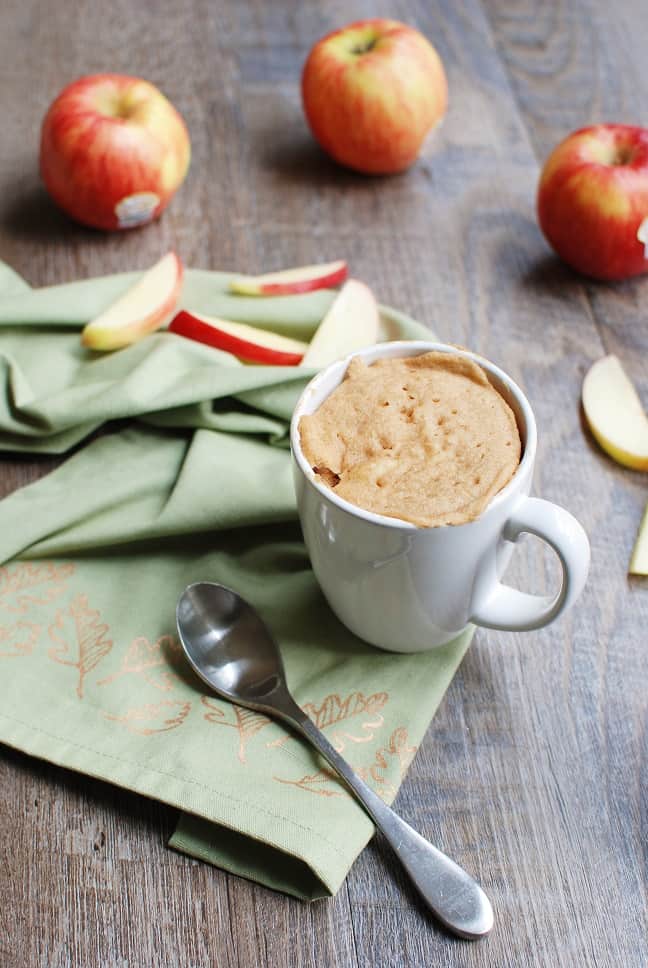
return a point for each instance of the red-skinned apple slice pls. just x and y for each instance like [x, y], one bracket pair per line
[248, 343]
[142, 308]
[303, 279]
[351, 323]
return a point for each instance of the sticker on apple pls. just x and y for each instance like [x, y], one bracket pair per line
[136, 209]
[642, 235]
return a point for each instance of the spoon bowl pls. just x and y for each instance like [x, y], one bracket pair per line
[228, 644]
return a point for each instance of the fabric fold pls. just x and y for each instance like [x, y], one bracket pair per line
[197, 485]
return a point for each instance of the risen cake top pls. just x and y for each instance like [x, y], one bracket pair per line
[426, 439]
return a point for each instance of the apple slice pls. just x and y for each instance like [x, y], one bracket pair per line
[304, 279]
[350, 324]
[249, 343]
[140, 310]
[639, 560]
[615, 414]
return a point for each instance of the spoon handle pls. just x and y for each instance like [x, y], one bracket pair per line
[452, 894]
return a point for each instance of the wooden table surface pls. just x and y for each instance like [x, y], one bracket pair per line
[533, 774]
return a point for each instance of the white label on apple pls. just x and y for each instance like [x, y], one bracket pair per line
[642, 235]
[136, 209]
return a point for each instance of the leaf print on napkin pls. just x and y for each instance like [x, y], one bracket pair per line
[321, 783]
[31, 583]
[153, 717]
[395, 757]
[79, 637]
[387, 771]
[155, 662]
[18, 639]
[246, 721]
[333, 710]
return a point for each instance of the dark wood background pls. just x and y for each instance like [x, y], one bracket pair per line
[533, 774]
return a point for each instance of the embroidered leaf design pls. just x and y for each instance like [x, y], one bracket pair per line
[154, 717]
[333, 709]
[30, 583]
[320, 783]
[79, 638]
[216, 713]
[18, 639]
[341, 739]
[246, 721]
[153, 661]
[396, 756]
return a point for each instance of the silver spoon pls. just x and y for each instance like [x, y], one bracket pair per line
[229, 646]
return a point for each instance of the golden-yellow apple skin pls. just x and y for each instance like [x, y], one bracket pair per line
[618, 454]
[592, 198]
[113, 151]
[372, 92]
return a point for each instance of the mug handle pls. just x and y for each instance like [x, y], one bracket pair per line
[501, 607]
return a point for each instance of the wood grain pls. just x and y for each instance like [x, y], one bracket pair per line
[533, 774]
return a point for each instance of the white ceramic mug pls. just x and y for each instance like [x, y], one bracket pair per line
[405, 588]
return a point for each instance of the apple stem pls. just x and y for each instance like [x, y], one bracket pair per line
[364, 47]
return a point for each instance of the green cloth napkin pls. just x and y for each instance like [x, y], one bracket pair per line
[197, 486]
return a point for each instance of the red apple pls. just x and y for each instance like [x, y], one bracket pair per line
[304, 279]
[593, 199]
[142, 308]
[113, 151]
[248, 343]
[372, 91]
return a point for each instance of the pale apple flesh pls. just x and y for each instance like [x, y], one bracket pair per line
[351, 323]
[113, 151]
[639, 560]
[249, 343]
[593, 198]
[302, 279]
[372, 92]
[614, 413]
[140, 310]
